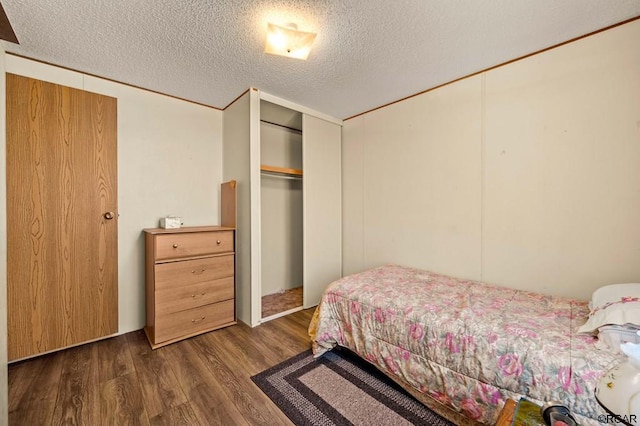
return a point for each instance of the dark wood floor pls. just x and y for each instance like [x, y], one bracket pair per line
[204, 380]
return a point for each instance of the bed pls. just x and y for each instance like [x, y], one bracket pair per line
[463, 345]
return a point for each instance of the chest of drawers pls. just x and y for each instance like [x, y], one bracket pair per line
[190, 282]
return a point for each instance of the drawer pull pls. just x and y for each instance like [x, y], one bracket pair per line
[197, 271]
[175, 246]
[195, 295]
[218, 242]
[197, 320]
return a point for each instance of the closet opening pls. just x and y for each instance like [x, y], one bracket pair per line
[281, 210]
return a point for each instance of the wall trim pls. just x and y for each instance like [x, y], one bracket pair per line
[297, 107]
[498, 66]
[237, 97]
[112, 80]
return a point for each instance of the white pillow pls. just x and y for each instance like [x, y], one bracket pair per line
[614, 304]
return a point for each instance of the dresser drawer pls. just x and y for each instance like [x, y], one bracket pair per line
[192, 321]
[177, 274]
[191, 296]
[189, 244]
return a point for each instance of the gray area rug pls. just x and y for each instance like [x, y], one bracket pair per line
[341, 389]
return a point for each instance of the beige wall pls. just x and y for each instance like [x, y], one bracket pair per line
[169, 162]
[421, 181]
[280, 209]
[526, 176]
[236, 154]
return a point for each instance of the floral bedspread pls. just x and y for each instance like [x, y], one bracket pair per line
[466, 344]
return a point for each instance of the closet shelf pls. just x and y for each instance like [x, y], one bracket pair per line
[282, 170]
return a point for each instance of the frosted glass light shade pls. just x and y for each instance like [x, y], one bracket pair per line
[288, 41]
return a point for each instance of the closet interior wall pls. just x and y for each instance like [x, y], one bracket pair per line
[281, 203]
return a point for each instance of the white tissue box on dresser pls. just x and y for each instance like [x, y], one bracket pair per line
[170, 222]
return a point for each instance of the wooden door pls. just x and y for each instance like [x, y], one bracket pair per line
[322, 206]
[61, 216]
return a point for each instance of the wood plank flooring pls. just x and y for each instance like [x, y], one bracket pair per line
[204, 380]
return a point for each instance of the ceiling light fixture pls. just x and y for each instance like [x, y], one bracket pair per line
[288, 41]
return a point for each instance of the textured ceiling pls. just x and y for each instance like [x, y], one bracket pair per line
[367, 53]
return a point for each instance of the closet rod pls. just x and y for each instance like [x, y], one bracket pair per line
[281, 125]
[280, 175]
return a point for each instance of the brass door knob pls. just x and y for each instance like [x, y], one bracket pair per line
[109, 215]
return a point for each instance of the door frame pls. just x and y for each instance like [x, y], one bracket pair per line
[254, 163]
